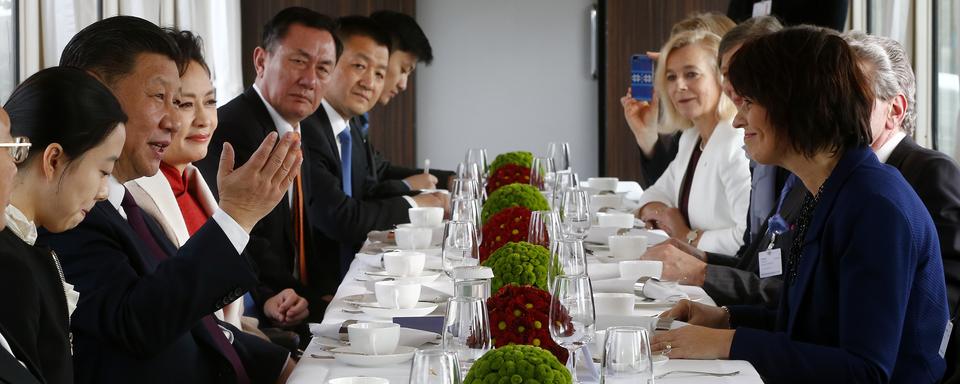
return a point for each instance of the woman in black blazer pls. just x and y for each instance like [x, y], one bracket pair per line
[65, 135]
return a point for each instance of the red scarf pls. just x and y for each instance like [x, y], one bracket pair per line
[193, 214]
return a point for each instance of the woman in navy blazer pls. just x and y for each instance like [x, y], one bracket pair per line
[865, 299]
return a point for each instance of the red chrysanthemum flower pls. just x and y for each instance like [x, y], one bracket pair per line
[510, 224]
[506, 175]
[519, 315]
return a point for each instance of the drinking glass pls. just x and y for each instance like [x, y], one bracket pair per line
[572, 318]
[464, 189]
[626, 356]
[544, 229]
[560, 152]
[575, 213]
[472, 171]
[466, 330]
[563, 180]
[566, 258]
[478, 156]
[461, 246]
[467, 210]
[435, 366]
[541, 174]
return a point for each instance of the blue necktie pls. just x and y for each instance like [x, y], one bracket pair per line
[345, 156]
[363, 123]
[762, 197]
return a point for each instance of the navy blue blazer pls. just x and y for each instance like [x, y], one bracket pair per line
[869, 301]
[138, 320]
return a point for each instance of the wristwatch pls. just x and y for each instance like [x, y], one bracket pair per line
[692, 236]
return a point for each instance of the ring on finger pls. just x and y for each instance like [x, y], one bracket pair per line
[667, 350]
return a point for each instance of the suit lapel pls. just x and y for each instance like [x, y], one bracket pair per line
[325, 130]
[900, 152]
[260, 111]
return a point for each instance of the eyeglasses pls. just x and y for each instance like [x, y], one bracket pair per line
[19, 148]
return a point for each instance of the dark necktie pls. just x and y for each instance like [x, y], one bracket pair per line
[139, 224]
[346, 151]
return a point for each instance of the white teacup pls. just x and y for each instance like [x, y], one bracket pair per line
[413, 237]
[436, 236]
[598, 202]
[396, 294]
[425, 216]
[613, 303]
[603, 183]
[627, 246]
[615, 219]
[635, 269]
[404, 263]
[374, 338]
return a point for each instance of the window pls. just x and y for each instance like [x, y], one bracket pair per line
[947, 67]
[8, 48]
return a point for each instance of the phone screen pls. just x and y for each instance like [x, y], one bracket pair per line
[641, 77]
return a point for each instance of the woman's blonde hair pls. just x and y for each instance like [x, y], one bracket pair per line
[709, 41]
[707, 21]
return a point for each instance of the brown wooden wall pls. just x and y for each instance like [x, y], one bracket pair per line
[393, 127]
[632, 26]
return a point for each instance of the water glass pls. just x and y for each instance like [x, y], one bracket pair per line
[560, 152]
[562, 181]
[567, 257]
[544, 229]
[468, 210]
[472, 171]
[572, 317]
[465, 189]
[460, 246]
[435, 366]
[466, 330]
[575, 213]
[541, 174]
[626, 356]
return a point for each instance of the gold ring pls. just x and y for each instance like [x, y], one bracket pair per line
[667, 349]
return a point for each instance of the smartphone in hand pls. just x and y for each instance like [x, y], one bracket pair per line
[641, 77]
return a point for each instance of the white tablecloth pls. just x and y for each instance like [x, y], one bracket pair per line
[311, 370]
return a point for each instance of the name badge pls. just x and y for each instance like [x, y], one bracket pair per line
[770, 264]
[946, 339]
[762, 8]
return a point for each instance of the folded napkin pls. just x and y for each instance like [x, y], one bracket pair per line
[659, 290]
[598, 271]
[408, 337]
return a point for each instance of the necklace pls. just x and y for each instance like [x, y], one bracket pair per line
[803, 221]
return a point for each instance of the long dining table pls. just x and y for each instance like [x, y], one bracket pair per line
[318, 365]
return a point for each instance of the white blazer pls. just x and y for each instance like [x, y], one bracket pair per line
[155, 197]
[719, 193]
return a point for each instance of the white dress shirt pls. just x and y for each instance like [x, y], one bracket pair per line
[883, 154]
[235, 233]
[283, 126]
[6, 346]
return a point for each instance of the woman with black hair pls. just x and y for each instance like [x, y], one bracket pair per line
[75, 130]
[864, 297]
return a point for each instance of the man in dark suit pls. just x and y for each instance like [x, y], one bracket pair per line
[294, 61]
[409, 46]
[340, 207]
[145, 312]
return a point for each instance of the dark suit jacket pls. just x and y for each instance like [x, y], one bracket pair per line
[139, 319]
[244, 122]
[343, 222]
[739, 282]
[825, 13]
[11, 372]
[936, 179]
[35, 308]
[868, 303]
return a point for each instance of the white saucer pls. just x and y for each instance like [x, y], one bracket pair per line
[659, 359]
[361, 299]
[349, 356]
[423, 277]
[421, 309]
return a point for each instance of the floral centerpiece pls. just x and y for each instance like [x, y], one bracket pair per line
[519, 263]
[518, 364]
[521, 158]
[506, 175]
[508, 225]
[519, 315]
[513, 195]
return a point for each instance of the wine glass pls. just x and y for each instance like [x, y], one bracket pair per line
[461, 246]
[626, 356]
[472, 171]
[464, 189]
[560, 152]
[567, 257]
[541, 175]
[478, 156]
[572, 318]
[544, 229]
[575, 213]
[466, 330]
[435, 366]
[467, 210]
[563, 180]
